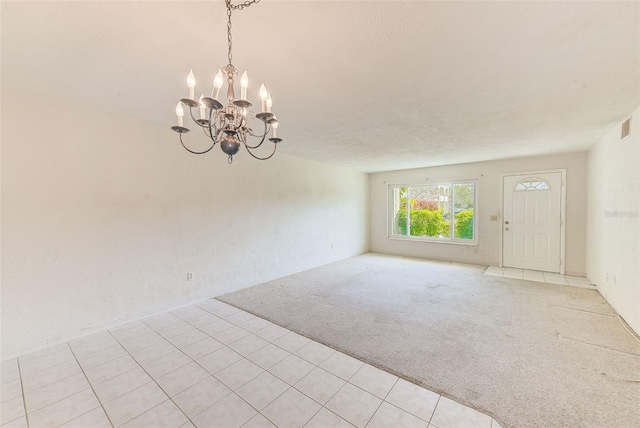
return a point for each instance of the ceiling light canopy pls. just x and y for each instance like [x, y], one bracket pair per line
[229, 126]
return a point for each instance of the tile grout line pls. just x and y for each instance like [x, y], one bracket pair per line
[105, 362]
[63, 398]
[409, 413]
[72, 395]
[334, 413]
[152, 380]
[199, 413]
[51, 383]
[90, 341]
[374, 413]
[250, 405]
[112, 377]
[90, 386]
[293, 387]
[145, 347]
[322, 406]
[317, 411]
[24, 401]
[383, 400]
[56, 401]
[157, 405]
[434, 409]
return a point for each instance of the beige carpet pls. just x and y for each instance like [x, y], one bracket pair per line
[528, 354]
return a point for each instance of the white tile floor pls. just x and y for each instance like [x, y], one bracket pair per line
[537, 276]
[213, 365]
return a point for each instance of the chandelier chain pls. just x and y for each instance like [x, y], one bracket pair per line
[231, 7]
[240, 6]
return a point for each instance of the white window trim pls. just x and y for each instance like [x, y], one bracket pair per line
[426, 239]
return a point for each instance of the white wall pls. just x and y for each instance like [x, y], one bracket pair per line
[103, 216]
[488, 176]
[613, 220]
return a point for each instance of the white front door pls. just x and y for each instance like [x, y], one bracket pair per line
[532, 221]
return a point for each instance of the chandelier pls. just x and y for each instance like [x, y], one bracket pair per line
[229, 126]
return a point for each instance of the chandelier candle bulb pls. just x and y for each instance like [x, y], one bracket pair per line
[263, 97]
[191, 83]
[274, 125]
[269, 103]
[217, 84]
[180, 113]
[203, 108]
[244, 84]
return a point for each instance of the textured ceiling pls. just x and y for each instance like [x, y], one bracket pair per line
[366, 85]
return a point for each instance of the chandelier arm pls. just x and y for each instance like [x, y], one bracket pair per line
[213, 133]
[211, 126]
[259, 158]
[194, 152]
[250, 132]
[257, 145]
[194, 119]
[263, 136]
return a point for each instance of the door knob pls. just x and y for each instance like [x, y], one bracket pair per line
[506, 222]
[506, 228]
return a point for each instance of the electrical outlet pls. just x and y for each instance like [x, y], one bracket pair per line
[494, 218]
[189, 276]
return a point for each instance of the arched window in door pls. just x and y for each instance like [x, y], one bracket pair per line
[531, 183]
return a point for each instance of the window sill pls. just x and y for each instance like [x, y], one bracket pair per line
[433, 241]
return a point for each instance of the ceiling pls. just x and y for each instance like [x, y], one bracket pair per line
[371, 86]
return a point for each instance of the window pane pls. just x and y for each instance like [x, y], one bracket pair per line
[399, 226]
[463, 196]
[429, 214]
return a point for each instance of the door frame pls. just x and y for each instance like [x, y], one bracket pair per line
[563, 202]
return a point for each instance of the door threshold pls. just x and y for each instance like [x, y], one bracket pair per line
[539, 276]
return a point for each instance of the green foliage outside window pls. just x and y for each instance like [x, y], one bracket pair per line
[463, 227]
[423, 223]
[431, 223]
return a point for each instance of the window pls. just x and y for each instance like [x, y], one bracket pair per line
[439, 212]
[531, 183]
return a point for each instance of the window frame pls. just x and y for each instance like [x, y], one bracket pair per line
[451, 240]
